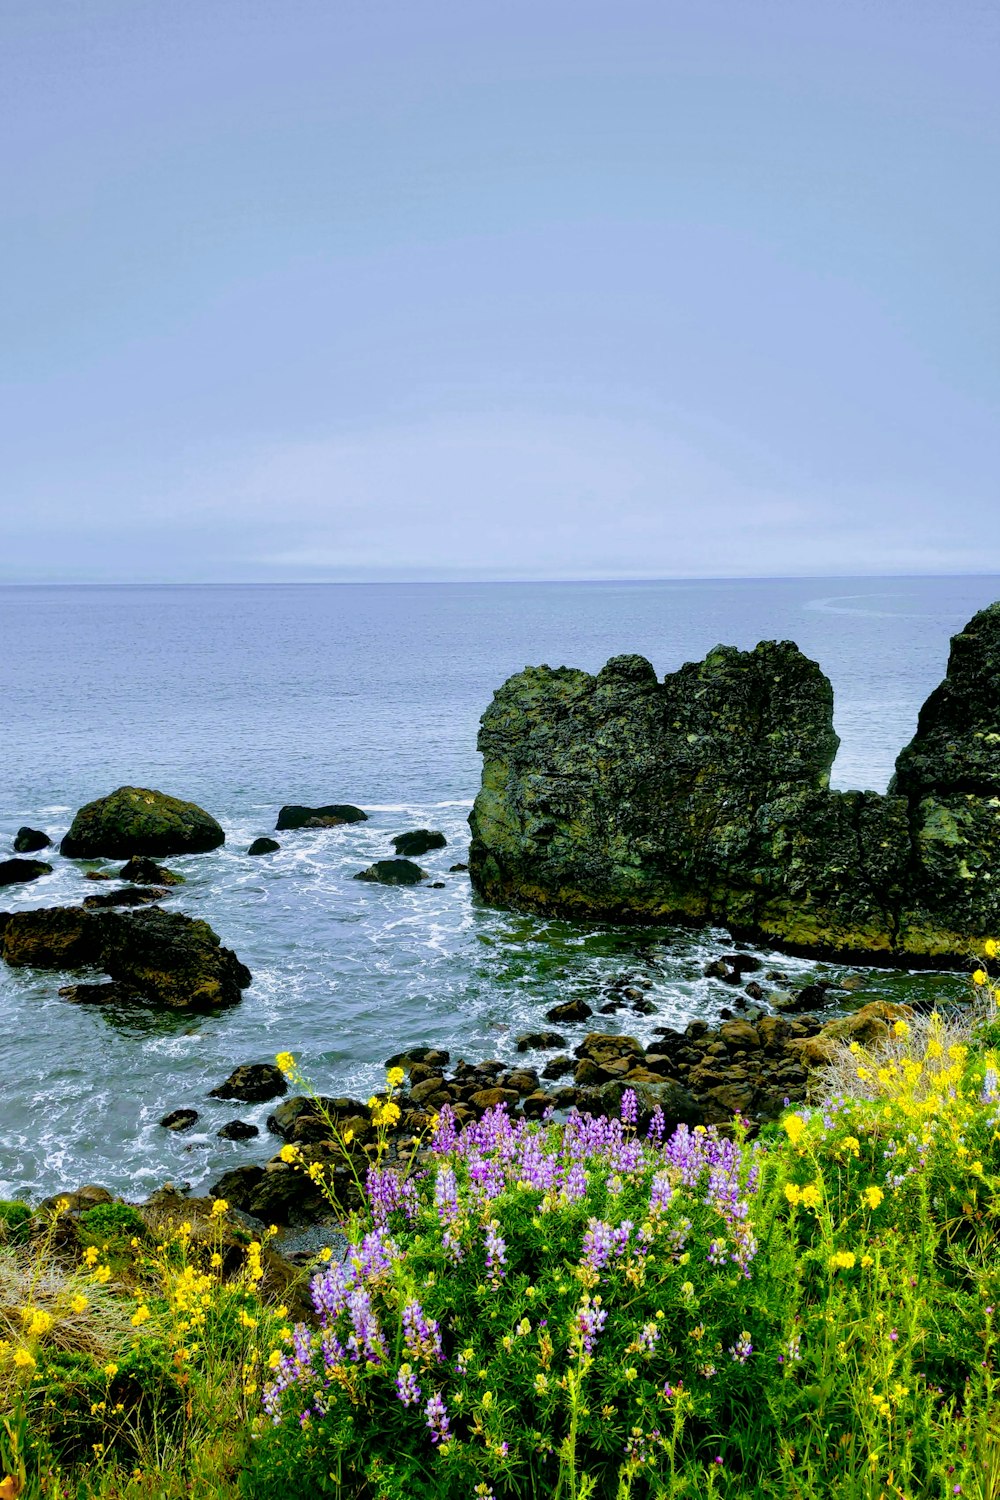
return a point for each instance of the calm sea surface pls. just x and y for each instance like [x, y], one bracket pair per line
[243, 698]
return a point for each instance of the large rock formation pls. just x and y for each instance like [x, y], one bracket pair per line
[157, 957]
[705, 798]
[134, 820]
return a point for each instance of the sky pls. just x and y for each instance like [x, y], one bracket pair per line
[446, 289]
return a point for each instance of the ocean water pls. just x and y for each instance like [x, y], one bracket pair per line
[243, 698]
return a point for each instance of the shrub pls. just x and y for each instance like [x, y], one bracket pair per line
[15, 1222]
[112, 1221]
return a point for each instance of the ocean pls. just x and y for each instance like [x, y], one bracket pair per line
[242, 698]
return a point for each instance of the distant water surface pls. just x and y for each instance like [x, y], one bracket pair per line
[243, 698]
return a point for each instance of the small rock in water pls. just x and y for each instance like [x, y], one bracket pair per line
[253, 1083]
[433, 1057]
[144, 871]
[533, 1040]
[97, 875]
[558, 1067]
[419, 841]
[179, 1119]
[238, 1130]
[264, 846]
[393, 872]
[93, 994]
[30, 840]
[136, 895]
[333, 815]
[571, 1010]
[17, 871]
[457, 869]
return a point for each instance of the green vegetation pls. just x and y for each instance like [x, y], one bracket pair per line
[578, 1311]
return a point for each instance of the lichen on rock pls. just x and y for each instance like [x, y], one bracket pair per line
[705, 798]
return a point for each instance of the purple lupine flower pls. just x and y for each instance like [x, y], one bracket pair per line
[496, 1253]
[742, 1349]
[630, 1107]
[366, 1341]
[406, 1386]
[598, 1244]
[660, 1193]
[421, 1335]
[717, 1253]
[446, 1195]
[437, 1418]
[445, 1136]
[648, 1338]
[657, 1126]
[589, 1321]
[574, 1184]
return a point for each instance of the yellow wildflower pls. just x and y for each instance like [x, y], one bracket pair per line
[395, 1077]
[811, 1195]
[102, 1274]
[873, 1196]
[794, 1195]
[111, 1370]
[286, 1062]
[219, 1207]
[901, 1029]
[23, 1359]
[991, 947]
[140, 1315]
[841, 1260]
[794, 1127]
[979, 976]
[78, 1303]
[90, 1255]
[289, 1153]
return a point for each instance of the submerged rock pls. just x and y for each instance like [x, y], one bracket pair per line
[331, 816]
[18, 871]
[264, 846]
[144, 871]
[138, 895]
[134, 820]
[419, 841]
[238, 1130]
[30, 840]
[393, 872]
[180, 1119]
[705, 798]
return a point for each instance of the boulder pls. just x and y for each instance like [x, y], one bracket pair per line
[30, 840]
[534, 1041]
[679, 1107]
[142, 871]
[264, 846]
[331, 816]
[180, 1119]
[419, 841]
[705, 798]
[54, 937]
[169, 959]
[134, 820]
[570, 1010]
[393, 872]
[252, 1083]
[18, 871]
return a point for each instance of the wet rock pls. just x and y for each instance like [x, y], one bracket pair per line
[737, 1034]
[533, 1041]
[558, 1067]
[286, 1114]
[754, 990]
[19, 871]
[419, 841]
[30, 840]
[570, 1010]
[136, 895]
[588, 1072]
[238, 1130]
[238, 1185]
[428, 1092]
[434, 1057]
[170, 959]
[393, 872]
[521, 1080]
[264, 846]
[810, 997]
[143, 871]
[536, 1104]
[331, 816]
[602, 1046]
[457, 869]
[97, 875]
[180, 1119]
[678, 1105]
[135, 820]
[252, 1083]
[107, 993]
[490, 1098]
[54, 937]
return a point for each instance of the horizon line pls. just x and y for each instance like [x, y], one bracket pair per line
[180, 583]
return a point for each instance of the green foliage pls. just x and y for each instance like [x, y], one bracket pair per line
[79, 1407]
[112, 1221]
[15, 1222]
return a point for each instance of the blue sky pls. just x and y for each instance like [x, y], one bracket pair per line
[353, 289]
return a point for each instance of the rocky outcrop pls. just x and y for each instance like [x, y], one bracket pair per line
[418, 841]
[18, 871]
[134, 820]
[30, 840]
[142, 872]
[152, 956]
[252, 1083]
[332, 816]
[393, 872]
[705, 798]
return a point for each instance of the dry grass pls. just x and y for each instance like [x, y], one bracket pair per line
[30, 1278]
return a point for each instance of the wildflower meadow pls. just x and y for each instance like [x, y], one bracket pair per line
[567, 1308]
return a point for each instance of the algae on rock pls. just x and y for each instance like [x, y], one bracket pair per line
[705, 798]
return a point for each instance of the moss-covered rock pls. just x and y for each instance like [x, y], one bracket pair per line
[18, 871]
[134, 820]
[705, 798]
